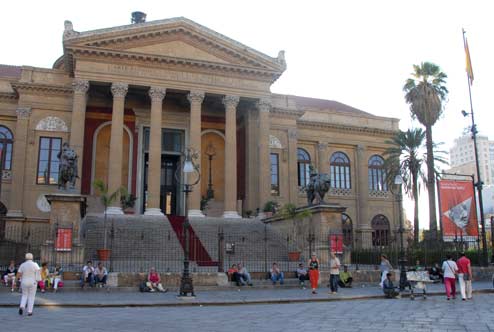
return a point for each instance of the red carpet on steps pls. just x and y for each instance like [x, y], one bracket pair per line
[197, 252]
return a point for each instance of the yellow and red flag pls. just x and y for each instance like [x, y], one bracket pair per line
[468, 63]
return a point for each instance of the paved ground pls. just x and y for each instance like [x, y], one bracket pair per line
[433, 314]
[114, 298]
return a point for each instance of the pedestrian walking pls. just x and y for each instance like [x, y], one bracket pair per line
[465, 276]
[29, 272]
[450, 270]
[313, 272]
[334, 272]
[385, 267]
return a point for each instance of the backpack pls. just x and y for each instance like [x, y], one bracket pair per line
[143, 288]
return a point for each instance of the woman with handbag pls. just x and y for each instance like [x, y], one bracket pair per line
[450, 270]
[464, 277]
[29, 273]
[313, 272]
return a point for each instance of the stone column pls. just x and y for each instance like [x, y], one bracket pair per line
[154, 164]
[264, 168]
[195, 99]
[77, 122]
[230, 210]
[19, 162]
[323, 158]
[363, 222]
[292, 166]
[119, 90]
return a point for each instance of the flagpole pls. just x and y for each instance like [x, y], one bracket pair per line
[477, 166]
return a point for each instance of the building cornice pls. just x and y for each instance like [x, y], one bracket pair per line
[344, 128]
[284, 112]
[42, 89]
[8, 96]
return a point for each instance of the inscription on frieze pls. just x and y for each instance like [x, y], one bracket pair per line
[179, 76]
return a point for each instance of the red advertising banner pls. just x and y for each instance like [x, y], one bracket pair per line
[64, 239]
[336, 243]
[458, 210]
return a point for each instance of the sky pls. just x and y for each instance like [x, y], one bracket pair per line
[356, 52]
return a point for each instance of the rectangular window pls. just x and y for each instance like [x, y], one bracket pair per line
[48, 161]
[275, 177]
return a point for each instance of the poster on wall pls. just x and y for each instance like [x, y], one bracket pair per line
[458, 210]
[336, 243]
[64, 239]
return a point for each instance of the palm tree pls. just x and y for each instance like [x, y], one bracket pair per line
[405, 157]
[426, 92]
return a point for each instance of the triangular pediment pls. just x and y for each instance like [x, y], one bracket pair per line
[177, 39]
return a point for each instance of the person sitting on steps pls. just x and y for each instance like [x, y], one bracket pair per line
[87, 274]
[100, 275]
[276, 274]
[244, 275]
[390, 291]
[154, 281]
[302, 275]
[234, 275]
[345, 278]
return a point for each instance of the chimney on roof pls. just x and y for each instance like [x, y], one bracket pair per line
[138, 17]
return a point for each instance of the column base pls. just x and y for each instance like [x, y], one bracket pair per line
[153, 212]
[114, 210]
[196, 214]
[15, 214]
[231, 215]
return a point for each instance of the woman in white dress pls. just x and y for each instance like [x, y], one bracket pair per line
[29, 273]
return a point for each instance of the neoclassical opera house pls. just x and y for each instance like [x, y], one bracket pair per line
[130, 100]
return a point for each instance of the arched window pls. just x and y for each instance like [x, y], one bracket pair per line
[340, 171]
[380, 231]
[377, 174]
[347, 228]
[6, 141]
[303, 162]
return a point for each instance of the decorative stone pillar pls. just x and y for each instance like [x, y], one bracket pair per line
[264, 169]
[230, 210]
[78, 121]
[323, 158]
[363, 222]
[292, 166]
[195, 99]
[119, 91]
[19, 162]
[154, 165]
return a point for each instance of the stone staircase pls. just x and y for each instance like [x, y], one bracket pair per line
[137, 242]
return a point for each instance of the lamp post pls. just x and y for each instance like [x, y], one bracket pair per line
[398, 181]
[210, 152]
[189, 167]
[478, 184]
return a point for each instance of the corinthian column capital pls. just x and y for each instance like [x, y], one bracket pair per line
[196, 97]
[80, 86]
[23, 112]
[264, 104]
[119, 89]
[157, 93]
[231, 101]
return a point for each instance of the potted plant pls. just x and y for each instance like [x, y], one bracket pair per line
[270, 208]
[106, 199]
[127, 201]
[290, 211]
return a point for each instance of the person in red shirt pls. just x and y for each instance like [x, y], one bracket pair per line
[465, 276]
[154, 281]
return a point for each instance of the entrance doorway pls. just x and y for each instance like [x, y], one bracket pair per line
[169, 193]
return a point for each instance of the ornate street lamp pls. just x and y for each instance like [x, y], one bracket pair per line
[210, 152]
[189, 169]
[478, 184]
[398, 181]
